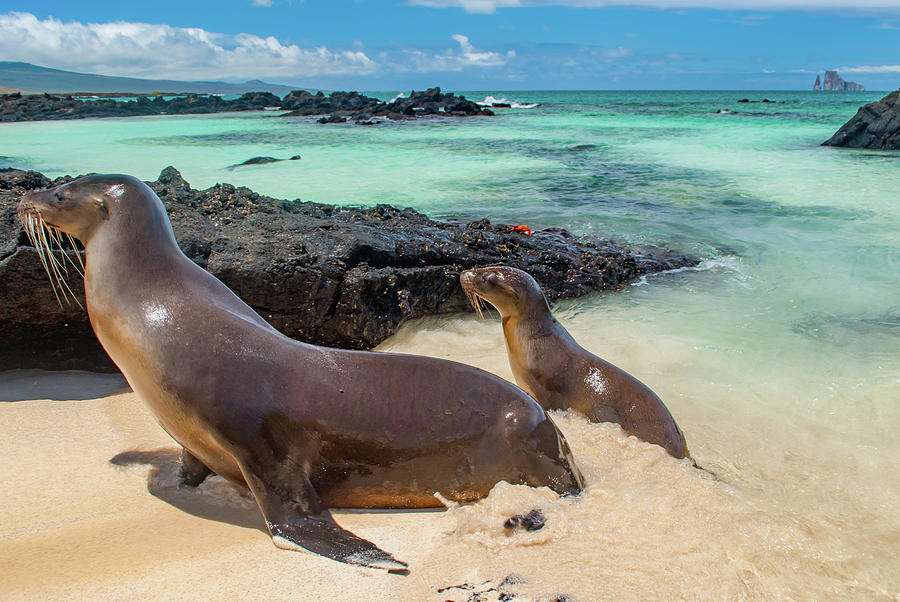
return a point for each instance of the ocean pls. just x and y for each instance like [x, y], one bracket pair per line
[779, 355]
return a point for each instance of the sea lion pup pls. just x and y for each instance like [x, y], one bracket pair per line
[548, 363]
[303, 427]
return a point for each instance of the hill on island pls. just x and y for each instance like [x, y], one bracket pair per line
[33, 78]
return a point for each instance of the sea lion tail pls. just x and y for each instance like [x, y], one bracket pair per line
[321, 535]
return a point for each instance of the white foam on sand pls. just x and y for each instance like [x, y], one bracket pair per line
[91, 510]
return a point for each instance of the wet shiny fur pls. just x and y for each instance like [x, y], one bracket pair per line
[548, 363]
[303, 427]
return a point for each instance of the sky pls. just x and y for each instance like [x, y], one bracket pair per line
[466, 44]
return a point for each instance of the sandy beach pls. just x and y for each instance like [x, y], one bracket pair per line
[776, 355]
[91, 511]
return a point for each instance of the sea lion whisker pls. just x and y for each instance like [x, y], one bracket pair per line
[77, 252]
[53, 237]
[39, 247]
[476, 302]
[59, 266]
[57, 234]
[42, 237]
[52, 261]
[35, 241]
[483, 305]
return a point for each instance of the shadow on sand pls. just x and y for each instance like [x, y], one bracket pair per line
[23, 385]
[215, 499]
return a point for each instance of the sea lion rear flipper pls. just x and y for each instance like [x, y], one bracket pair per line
[192, 471]
[305, 522]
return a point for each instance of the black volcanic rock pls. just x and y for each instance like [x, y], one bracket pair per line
[37, 107]
[875, 126]
[343, 106]
[302, 103]
[432, 102]
[332, 119]
[338, 106]
[338, 276]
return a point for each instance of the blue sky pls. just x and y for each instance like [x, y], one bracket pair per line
[467, 44]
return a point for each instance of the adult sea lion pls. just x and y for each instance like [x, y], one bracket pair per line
[303, 427]
[548, 363]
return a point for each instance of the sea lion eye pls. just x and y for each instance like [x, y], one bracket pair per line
[59, 196]
[101, 207]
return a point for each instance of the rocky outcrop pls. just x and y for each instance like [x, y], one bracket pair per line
[344, 106]
[337, 276]
[833, 81]
[875, 126]
[818, 84]
[301, 103]
[432, 102]
[338, 106]
[38, 107]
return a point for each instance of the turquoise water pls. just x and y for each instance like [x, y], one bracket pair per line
[778, 356]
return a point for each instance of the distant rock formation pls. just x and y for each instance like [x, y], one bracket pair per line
[338, 107]
[833, 81]
[875, 126]
[818, 84]
[39, 107]
[342, 106]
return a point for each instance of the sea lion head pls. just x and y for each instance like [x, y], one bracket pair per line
[510, 290]
[81, 207]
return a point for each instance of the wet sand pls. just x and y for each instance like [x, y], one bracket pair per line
[91, 510]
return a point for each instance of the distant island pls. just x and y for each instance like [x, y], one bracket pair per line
[28, 78]
[833, 81]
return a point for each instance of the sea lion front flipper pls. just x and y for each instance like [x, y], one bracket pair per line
[321, 535]
[305, 522]
[192, 471]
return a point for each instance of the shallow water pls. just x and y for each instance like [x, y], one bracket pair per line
[778, 356]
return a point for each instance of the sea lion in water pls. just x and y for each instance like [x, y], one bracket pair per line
[304, 427]
[548, 363]
[261, 161]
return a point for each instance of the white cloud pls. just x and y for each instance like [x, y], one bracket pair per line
[452, 60]
[163, 51]
[490, 6]
[871, 69]
[618, 52]
[470, 6]
[262, 2]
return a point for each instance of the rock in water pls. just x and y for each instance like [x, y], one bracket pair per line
[818, 84]
[875, 126]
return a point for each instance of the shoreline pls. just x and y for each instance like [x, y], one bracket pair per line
[334, 276]
[337, 107]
